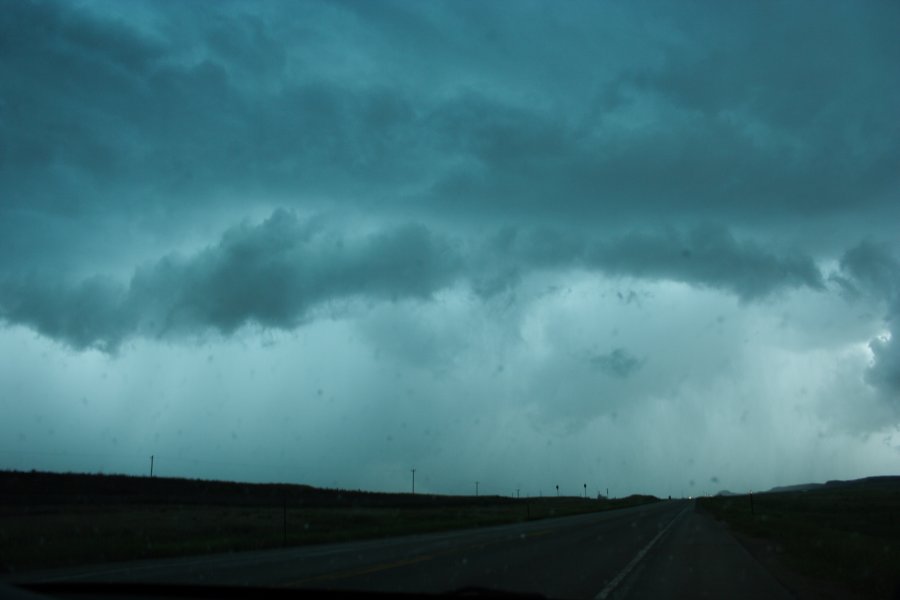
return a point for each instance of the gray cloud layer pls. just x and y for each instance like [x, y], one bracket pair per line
[103, 113]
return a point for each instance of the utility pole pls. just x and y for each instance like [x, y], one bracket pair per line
[557, 490]
[151, 465]
[476, 489]
[585, 491]
[414, 480]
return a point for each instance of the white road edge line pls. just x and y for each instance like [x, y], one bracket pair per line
[612, 585]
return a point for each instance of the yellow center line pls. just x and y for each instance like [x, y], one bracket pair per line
[403, 563]
[362, 571]
[539, 533]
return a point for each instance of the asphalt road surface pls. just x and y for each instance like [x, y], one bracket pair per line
[663, 550]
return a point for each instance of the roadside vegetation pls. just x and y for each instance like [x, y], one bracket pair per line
[50, 520]
[847, 533]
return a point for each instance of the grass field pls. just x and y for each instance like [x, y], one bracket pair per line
[847, 534]
[65, 533]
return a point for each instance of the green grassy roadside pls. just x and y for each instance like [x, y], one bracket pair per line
[848, 535]
[51, 536]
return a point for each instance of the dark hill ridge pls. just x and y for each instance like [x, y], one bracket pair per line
[800, 487]
[18, 488]
[890, 480]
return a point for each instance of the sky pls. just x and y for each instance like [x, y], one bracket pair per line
[617, 247]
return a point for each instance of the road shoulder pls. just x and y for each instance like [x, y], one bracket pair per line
[772, 556]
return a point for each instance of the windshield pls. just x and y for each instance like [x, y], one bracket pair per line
[296, 274]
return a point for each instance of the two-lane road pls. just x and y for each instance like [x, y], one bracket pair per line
[658, 550]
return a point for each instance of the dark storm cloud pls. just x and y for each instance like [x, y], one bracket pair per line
[271, 274]
[93, 312]
[885, 370]
[871, 269]
[274, 273]
[710, 257]
[706, 256]
[618, 363]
